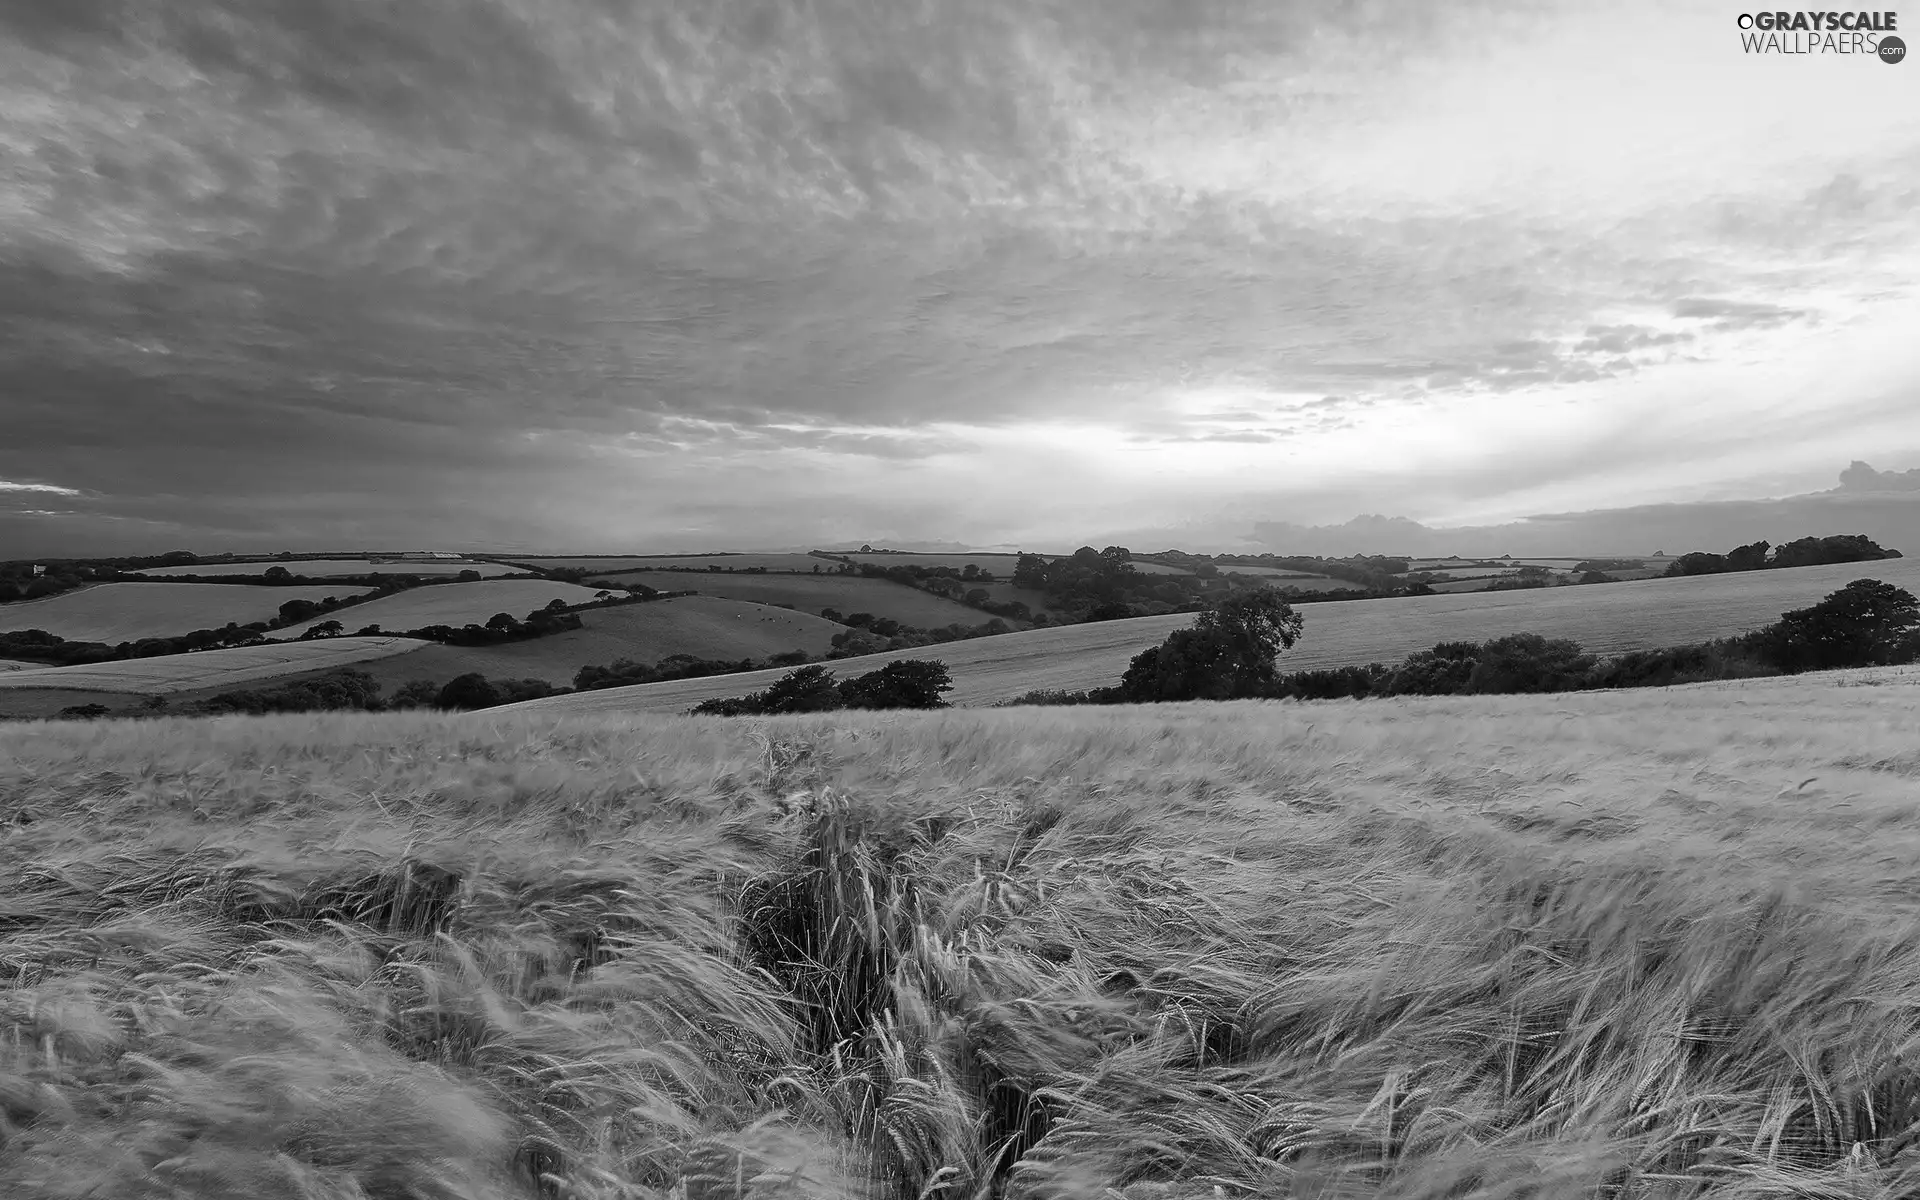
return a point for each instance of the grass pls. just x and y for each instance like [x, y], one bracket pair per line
[811, 593]
[1605, 618]
[321, 567]
[1629, 945]
[169, 674]
[126, 612]
[448, 604]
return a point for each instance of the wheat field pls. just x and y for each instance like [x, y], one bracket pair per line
[125, 612]
[169, 674]
[1648, 945]
[1606, 618]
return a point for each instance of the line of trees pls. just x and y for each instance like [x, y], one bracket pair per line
[903, 683]
[1803, 552]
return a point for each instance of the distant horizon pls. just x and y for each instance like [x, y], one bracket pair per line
[1889, 496]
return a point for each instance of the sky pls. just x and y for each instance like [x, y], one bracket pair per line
[636, 275]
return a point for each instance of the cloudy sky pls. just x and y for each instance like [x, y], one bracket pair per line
[683, 274]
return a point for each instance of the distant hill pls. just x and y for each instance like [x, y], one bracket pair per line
[1883, 505]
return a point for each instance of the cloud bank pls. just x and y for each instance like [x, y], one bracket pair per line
[590, 274]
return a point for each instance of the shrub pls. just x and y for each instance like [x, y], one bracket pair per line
[1441, 671]
[1527, 662]
[467, 692]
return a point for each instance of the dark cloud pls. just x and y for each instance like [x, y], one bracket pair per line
[272, 265]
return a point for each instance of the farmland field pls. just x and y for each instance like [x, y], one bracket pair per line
[810, 594]
[1605, 618]
[13, 664]
[447, 604]
[1001, 565]
[126, 612]
[1481, 947]
[702, 626]
[322, 567]
[168, 674]
[695, 562]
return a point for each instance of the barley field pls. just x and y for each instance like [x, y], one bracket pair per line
[447, 604]
[126, 612]
[1607, 618]
[168, 674]
[1640, 945]
[320, 568]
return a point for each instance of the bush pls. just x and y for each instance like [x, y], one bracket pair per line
[467, 692]
[1527, 662]
[1441, 671]
[1333, 684]
[900, 684]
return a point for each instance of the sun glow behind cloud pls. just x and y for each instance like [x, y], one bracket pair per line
[503, 268]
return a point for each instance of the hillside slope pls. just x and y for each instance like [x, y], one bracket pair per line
[169, 674]
[126, 612]
[453, 604]
[1605, 618]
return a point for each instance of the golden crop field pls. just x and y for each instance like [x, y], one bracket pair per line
[168, 674]
[811, 593]
[448, 604]
[1606, 618]
[126, 612]
[1654, 944]
[322, 567]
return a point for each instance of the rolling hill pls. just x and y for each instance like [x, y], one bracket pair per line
[1605, 618]
[702, 626]
[811, 593]
[126, 612]
[172, 674]
[690, 562]
[446, 604]
[320, 568]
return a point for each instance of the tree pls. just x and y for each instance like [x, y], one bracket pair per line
[904, 683]
[322, 629]
[1750, 557]
[1865, 623]
[468, 576]
[277, 575]
[466, 692]
[1229, 652]
[295, 611]
[1030, 571]
[501, 622]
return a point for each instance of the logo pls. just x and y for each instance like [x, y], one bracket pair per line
[1867, 34]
